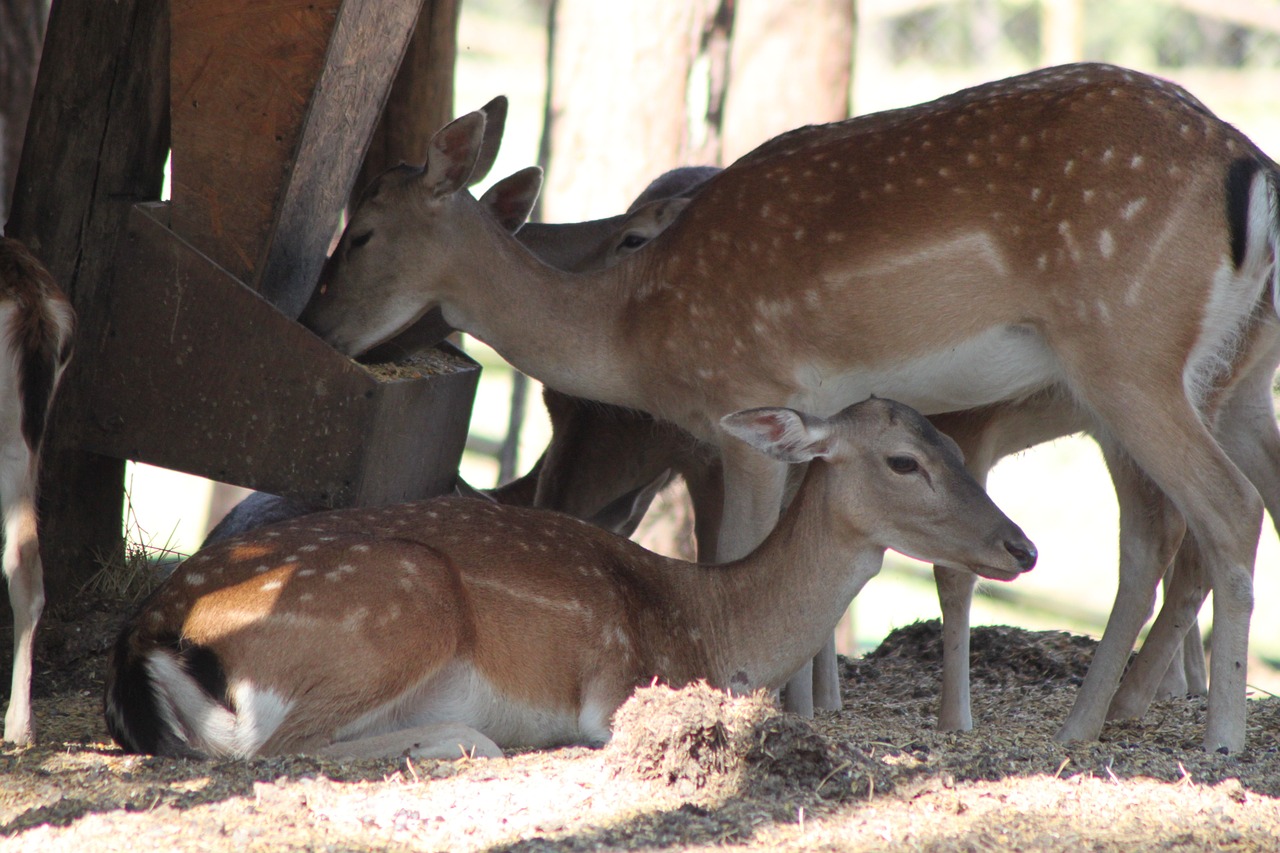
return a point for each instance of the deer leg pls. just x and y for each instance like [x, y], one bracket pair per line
[444, 741]
[753, 489]
[1223, 512]
[826, 678]
[955, 595]
[1246, 428]
[1186, 674]
[1195, 674]
[25, 576]
[1150, 532]
[1183, 598]
[706, 492]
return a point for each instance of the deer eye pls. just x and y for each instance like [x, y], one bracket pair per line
[360, 239]
[903, 464]
[633, 241]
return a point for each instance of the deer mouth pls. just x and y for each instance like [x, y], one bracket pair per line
[993, 573]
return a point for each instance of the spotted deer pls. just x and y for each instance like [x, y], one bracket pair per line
[358, 632]
[1084, 228]
[600, 455]
[36, 325]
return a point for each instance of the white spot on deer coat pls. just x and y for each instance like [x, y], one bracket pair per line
[1106, 243]
[1132, 209]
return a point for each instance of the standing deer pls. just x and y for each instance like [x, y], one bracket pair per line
[363, 631]
[1085, 228]
[600, 454]
[36, 324]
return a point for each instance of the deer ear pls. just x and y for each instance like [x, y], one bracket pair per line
[784, 434]
[511, 199]
[495, 119]
[452, 153]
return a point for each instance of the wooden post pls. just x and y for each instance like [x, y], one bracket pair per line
[96, 143]
[21, 35]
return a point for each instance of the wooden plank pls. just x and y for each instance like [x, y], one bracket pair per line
[95, 144]
[421, 98]
[365, 49]
[242, 76]
[196, 372]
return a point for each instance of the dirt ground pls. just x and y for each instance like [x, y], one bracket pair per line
[687, 770]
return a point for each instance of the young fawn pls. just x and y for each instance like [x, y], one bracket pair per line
[1083, 230]
[362, 631]
[36, 324]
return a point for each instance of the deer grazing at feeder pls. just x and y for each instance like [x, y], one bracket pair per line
[363, 631]
[582, 426]
[1085, 229]
[36, 325]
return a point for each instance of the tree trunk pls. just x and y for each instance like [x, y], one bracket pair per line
[790, 64]
[618, 116]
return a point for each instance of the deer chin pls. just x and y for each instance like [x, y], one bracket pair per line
[992, 573]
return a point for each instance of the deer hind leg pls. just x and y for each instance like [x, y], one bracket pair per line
[826, 678]
[1246, 428]
[25, 577]
[1151, 529]
[1183, 597]
[444, 741]
[1160, 429]
[1186, 674]
[753, 491]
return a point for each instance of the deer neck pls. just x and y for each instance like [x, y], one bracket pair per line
[558, 327]
[768, 613]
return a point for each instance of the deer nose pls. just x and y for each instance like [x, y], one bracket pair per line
[1024, 552]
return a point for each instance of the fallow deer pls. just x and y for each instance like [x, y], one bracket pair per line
[1085, 227]
[361, 631]
[36, 325]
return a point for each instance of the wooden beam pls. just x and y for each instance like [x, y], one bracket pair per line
[421, 99]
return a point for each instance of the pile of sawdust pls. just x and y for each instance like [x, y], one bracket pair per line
[699, 738]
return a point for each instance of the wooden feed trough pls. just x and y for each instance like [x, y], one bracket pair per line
[188, 354]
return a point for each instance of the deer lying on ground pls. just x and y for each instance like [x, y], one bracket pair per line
[1085, 228]
[36, 325]
[358, 631]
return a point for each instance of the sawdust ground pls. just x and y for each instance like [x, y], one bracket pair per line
[687, 770]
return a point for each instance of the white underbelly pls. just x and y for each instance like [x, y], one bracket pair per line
[1003, 363]
[460, 694]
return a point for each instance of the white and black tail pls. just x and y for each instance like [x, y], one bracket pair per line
[1253, 219]
[161, 693]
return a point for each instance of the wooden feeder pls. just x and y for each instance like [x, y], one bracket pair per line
[196, 362]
